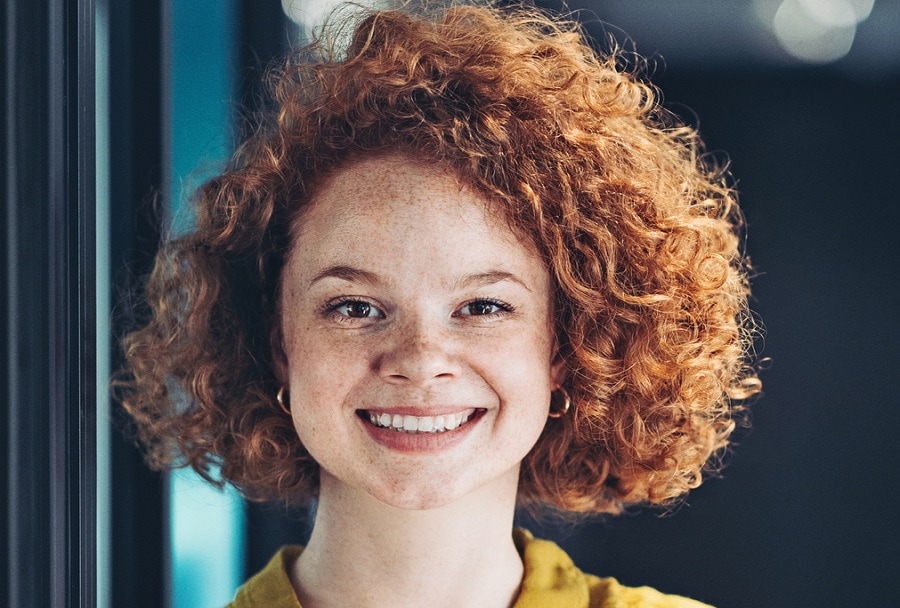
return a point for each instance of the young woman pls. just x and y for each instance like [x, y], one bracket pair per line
[467, 266]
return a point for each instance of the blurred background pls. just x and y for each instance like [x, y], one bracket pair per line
[803, 97]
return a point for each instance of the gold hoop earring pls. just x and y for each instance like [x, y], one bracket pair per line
[280, 398]
[567, 403]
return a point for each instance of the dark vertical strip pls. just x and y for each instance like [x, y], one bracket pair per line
[49, 306]
[5, 412]
[81, 460]
[26, 199]
[136, 162]
[265, 36]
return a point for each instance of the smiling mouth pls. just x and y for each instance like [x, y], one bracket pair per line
[420, 424]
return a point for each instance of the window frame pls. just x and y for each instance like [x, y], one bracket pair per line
[49, 329]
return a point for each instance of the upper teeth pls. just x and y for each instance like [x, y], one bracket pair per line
[420, 424]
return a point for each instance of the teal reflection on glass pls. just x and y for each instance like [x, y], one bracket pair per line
[206, 526]
[103, 294]
[203, 58]
[206, 531]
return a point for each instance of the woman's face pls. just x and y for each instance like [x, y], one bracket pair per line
[419, 336]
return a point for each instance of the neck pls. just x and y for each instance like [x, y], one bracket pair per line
[365, 553]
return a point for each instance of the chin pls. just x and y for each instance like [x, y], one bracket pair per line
[415, 500]
[420, 495]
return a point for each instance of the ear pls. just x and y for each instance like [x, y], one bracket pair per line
[559, 370]
[279, 363]
[279, 357]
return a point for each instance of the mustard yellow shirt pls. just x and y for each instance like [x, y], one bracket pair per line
[551, 581]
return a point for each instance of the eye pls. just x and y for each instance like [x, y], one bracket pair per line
[354, 309]
[483, 308]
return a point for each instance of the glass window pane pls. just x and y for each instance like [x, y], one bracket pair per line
[206, 526]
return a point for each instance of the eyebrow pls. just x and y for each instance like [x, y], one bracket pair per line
[349, 273]
[489, 278]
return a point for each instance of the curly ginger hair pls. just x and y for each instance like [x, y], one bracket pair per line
[639, 232]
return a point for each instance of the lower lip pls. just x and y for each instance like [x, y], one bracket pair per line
[420, 442]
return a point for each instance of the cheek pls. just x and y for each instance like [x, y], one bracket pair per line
[307, 363]
[309, 351]
[318, 394]
[519, 369]
[322, 372]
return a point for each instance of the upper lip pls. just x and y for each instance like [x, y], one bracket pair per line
[423, 411]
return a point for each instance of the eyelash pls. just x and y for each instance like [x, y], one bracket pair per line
[503, 307]
[330, 309]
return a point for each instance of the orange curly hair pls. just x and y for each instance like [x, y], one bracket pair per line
[638, 231]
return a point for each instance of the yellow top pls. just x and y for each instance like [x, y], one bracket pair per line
[551, 581]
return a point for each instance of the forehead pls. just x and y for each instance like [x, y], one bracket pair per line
[393, 192]
[394, 179]
[391, 208]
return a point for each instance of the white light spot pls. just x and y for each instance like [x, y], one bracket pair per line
[817, 37]
[838, 13]
[313, 13]
[310, 13]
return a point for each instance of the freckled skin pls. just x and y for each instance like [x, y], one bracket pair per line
[442, 307]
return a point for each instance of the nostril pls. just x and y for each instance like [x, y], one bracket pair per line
[416, 361]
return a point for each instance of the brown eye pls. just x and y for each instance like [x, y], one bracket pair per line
[481, 308]
[356, 309]
[345, 309]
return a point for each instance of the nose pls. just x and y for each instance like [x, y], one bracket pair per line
[418, 354]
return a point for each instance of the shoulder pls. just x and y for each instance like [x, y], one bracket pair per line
[608, 593]
[552, 579]
[271, 587]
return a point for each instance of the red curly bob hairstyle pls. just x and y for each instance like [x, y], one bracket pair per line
[639, 232]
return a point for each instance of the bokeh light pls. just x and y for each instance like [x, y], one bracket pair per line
[817, 31]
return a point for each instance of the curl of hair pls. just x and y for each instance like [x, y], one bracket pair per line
[640, 233]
